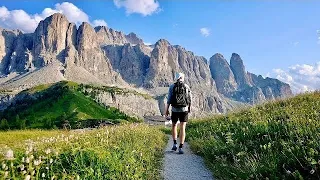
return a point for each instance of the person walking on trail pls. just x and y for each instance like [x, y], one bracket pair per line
[179, 97]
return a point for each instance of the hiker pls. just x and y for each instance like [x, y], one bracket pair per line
[179, 97]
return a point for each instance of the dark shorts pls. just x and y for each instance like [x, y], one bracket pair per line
[181, 116]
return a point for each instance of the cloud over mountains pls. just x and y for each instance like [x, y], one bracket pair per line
[19, 19]
[301, 77]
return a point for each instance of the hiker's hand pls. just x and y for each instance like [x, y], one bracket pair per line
[167, 113]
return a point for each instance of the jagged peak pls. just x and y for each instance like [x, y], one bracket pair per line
[217, 56]
[100, 28]
[162, 42]
[236, 58]
[56, 16]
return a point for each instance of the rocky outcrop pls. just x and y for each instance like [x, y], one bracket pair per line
[133, 39]
[131, 103]
[238, 69]
[166, 59]
[7, 47]
[234, 82]
[222, 74]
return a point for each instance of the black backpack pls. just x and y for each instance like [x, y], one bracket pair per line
[180, 97]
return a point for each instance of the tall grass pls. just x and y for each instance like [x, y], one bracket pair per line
[121, 152]
[278, 140]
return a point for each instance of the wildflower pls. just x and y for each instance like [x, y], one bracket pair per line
[47, 151]
[21, 167]
[9, 155]
[36, 162]
[31, 157]
[28, 177]
[6, 174]
[24, 172]
[288, 172]
[47, 168]
[51, 161]
[52, 178]
[43, 175]
[312, 171]
[27, 160]
[3, 165]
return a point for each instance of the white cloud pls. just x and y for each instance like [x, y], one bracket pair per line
[318, 35]
[205, 32]
[301, 77]
[99, 22]
[19, 19]
[144, 7]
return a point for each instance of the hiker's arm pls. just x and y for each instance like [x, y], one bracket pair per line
[190, 96]
[168, 101]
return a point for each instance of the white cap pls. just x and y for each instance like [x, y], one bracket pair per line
[179, 76]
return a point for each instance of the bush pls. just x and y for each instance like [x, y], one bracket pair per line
[4, 125]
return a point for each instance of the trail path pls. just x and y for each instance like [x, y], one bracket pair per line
[187, 166]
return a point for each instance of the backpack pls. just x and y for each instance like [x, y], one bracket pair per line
[180, 97]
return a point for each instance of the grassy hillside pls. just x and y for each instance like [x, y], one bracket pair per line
[51, 105]
[278, 140]
[132, 151]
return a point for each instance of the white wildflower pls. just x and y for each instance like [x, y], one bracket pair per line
[6, 174]
[43, 175]
[28, 177]
[288, 172]
[9, 154]
[3, 165]
[48, 151]
[36, 162]
[28, 160]
[51, 161]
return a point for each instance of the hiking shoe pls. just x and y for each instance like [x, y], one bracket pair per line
[174, 147]
[181, 151]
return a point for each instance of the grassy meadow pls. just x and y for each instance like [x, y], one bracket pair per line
[132, 151]
[276, 140]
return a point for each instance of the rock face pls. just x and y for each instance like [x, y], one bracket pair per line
[236, 83]
[238, 69]
[58, 50]
[131, 104]
[222, 74]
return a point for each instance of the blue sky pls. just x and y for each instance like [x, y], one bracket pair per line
[269, 35]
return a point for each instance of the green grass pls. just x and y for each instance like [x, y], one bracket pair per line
[55, 100]
[277, 140]
[131, 151]
[114, 90]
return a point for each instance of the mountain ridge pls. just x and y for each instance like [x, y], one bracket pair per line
[58, 50]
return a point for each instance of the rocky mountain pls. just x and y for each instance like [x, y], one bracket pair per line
[235, 82]
[59, 50]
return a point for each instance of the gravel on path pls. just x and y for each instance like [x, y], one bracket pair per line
[187, 166]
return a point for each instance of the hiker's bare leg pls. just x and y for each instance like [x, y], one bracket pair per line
[174, 131]
[182, 134]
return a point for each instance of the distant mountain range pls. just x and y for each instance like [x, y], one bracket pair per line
[58, 50]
